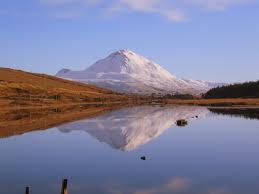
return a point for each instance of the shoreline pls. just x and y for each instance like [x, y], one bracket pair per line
[216, 103]
[210, 103]
[22, 119]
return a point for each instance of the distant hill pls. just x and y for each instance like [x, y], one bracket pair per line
[243, 90]
[128, 72]
[24, 88]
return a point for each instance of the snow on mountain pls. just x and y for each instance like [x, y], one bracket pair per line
[126, 71]
[128, 129]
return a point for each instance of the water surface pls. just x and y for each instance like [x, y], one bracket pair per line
[214, 154]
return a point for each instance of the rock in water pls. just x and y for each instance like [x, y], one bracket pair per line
[143, 158]
[181, 122]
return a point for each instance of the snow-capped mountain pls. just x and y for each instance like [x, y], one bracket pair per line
[128, 129]
[126, 71]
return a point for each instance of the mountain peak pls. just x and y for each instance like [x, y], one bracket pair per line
[127, 62]
[124, 61]
[127, 71]
[124, 53]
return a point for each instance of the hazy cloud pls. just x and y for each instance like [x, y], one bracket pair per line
[159, 7]
[69, 14]
[220, 191]
[218, 4]
[70, 2]
[175, 185]
[176, 11]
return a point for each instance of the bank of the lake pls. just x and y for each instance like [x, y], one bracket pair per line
[229, 102]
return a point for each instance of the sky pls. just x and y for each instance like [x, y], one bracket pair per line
[214, 40]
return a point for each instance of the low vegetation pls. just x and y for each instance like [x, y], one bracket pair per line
[244, 90]
[224, 102]
[178, 96]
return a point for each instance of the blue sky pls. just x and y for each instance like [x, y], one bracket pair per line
[215, 40]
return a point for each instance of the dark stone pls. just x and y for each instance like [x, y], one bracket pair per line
[143, 158]
[181, 122]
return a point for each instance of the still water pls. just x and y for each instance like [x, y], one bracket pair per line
[214, 154]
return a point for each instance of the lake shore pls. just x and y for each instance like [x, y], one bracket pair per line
[230, 102]
[17, 120]
[10, 104]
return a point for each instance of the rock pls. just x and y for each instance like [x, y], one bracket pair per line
[181, 122]
[143, 157]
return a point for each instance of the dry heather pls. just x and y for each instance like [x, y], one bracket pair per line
[19, 88]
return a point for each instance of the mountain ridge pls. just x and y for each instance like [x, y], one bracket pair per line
[126, 71]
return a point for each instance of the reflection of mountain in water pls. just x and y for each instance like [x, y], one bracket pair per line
[127, 129]
[248, 113]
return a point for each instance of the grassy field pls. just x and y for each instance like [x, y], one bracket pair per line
[237, 102]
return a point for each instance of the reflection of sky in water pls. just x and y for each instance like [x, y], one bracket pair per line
[216, 155]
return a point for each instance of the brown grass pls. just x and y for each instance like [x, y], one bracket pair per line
[216, 102]
[19, 88]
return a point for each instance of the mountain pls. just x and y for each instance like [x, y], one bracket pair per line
[128, 129]
[126, 71]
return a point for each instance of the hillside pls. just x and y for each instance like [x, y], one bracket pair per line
[24, 88]
[243, 90]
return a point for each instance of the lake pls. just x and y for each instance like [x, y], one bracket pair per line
[216, 153]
